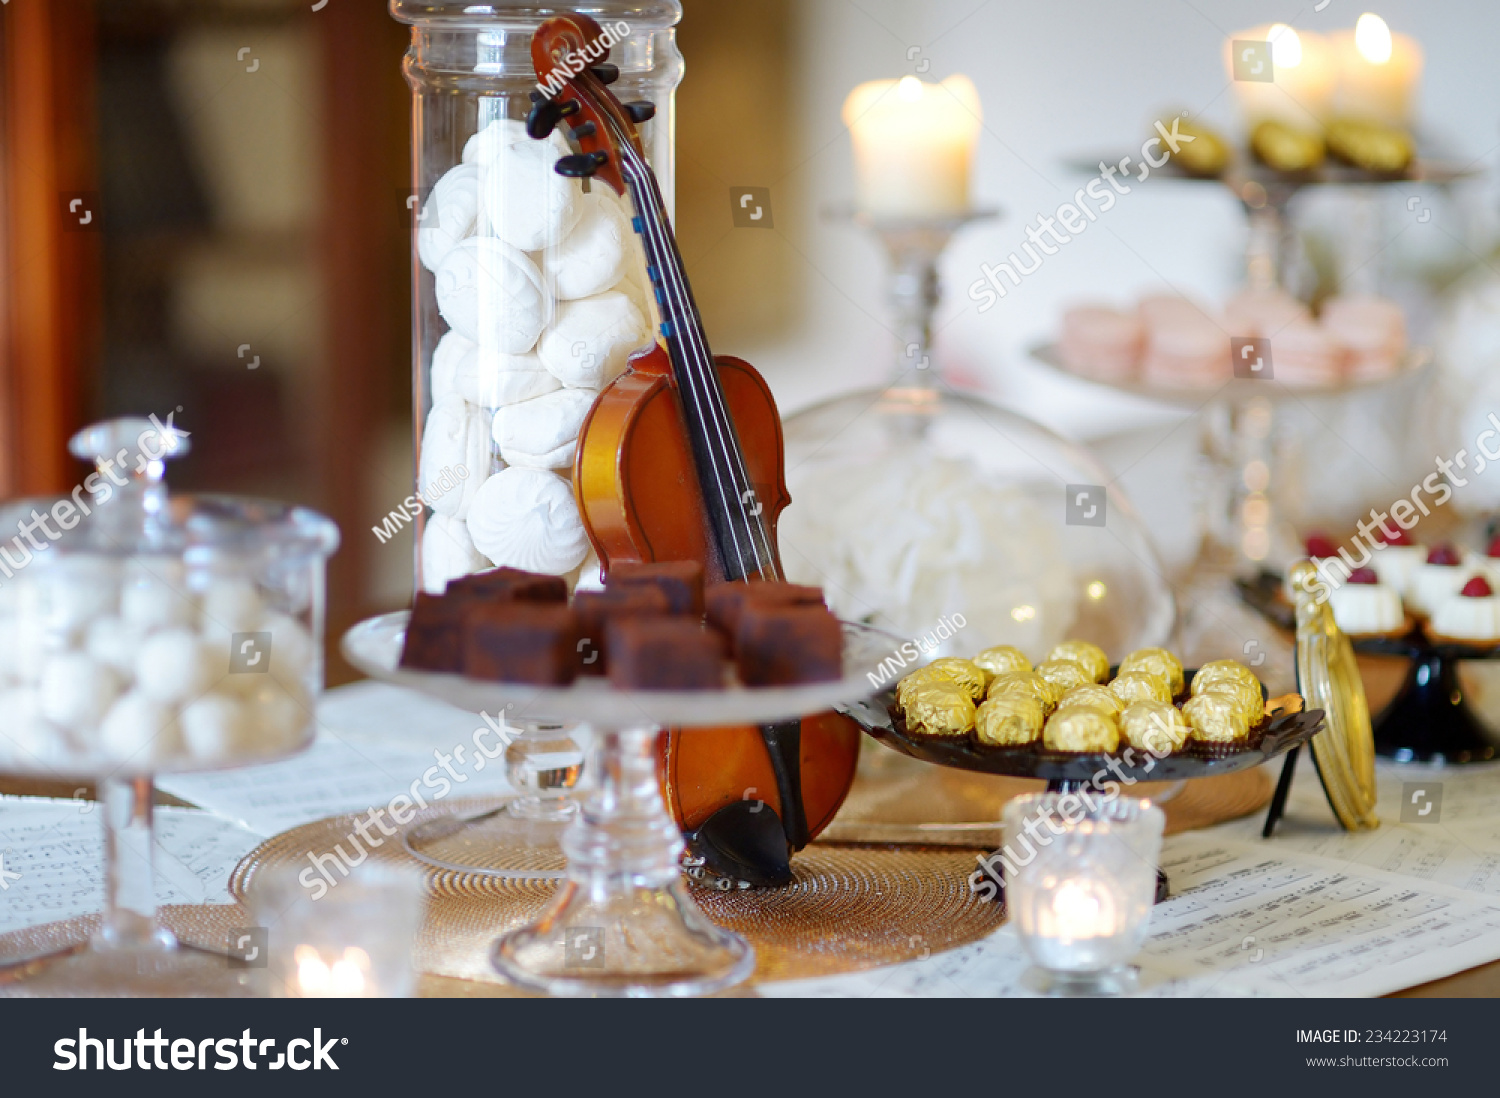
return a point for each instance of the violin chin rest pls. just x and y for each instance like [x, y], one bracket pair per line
[744, 841]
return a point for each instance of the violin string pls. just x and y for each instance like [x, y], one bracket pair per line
[693, 352]
[755, 527]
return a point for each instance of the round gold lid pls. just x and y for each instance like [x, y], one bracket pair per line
[1328, 679]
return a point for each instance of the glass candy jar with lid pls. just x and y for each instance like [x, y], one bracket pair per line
[529, 289]
[149, 633]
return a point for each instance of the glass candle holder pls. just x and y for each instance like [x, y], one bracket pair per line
[349, 941]
[1080, 878]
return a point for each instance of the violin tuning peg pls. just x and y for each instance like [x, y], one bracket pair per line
[582, 165]
[584, 129]
[543, 118]
[606, 72]
[641, 111]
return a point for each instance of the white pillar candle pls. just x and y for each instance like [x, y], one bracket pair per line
[1378, 73]
[1302, 69]
[913, 145]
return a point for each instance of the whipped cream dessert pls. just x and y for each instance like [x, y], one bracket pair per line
[1363, 605]
[1436, 580]
[1473, 614]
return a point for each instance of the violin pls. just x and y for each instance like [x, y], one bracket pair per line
[681, 458]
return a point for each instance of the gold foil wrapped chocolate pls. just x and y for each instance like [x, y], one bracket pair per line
[1370, 146]
[1088, 656]
[1220, 670]
[1134, 686]
[939, 709]
[1003, 660]
[1064, 673]
[1215, 718]
[1157, 727]
[965, 673]
[1247, 699]
[1030, 683]
[1203, 153]
[1009, 720]
[1158, 661]
[1285, 148]
[1079, 729]
[1092, 696]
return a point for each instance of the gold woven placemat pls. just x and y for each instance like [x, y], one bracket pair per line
[850, 908]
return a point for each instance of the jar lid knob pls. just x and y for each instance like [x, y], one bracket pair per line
[140, 446]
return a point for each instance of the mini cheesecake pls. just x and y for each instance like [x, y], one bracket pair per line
[1487, 563]
[1436, 580]
[1398, 557]
[1363, 606]
[1471, 615]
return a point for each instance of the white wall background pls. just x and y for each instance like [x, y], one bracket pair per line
[1074, 77]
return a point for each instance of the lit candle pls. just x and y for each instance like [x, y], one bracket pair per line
[1378, 73]
[913, 145]
[1079, 910]
[344, 979]
[1302, 77]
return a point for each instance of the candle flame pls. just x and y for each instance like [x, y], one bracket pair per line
[1079, 912]
[909, 89]
[1372, 38]
[345, 978]
[1286, 47]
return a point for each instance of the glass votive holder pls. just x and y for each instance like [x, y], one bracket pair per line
[1080, 879]
[349, 940]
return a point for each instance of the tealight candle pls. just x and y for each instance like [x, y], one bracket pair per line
[1080, 879]
[1378, 73]
[1302, 77]
[913, 145]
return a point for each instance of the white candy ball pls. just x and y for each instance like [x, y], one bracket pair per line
[447, 358]
[456, 453]
[140, 729]
[592, 258]
[216, 726]
[492, 294]
[492, 380]
[155, 595]
[528, 519]
[591, 340]
[542, 433]
[76, 690]
[524, 201]
[485, 145]
[73, 591]
[174, 665]
[114, 642]
[450, 215]
[293, 653]
[233, 605]
[447, 553]
[24, 647]
[27, 739]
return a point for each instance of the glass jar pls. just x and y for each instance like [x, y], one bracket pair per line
[143, 633]
[528, 290]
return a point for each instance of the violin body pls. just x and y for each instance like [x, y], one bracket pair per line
[641, 501]
[681, 458]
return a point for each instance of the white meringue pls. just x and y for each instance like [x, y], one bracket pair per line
[450, 215]
[542, 433]
[456, 439]
[590, 574]
[231, 604]
[114, 642]
[76, 690]
[154, 594]
[447, 361]
[591, 258]
[492, 294]
[27, 739]
[485, 145]
[524, 201]
[591, 340]
[447, 553]
[528, 519]
[492, 380]
[215, 726]
[73, 591]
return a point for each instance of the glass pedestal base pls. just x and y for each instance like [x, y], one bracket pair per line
[157, 969]
[1120, 980]
[623, 924]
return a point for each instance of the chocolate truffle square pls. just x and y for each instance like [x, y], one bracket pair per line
[664, 654]
[510, 585]
[725, 601]
[786, 645]
[434, 635]
[680, 580]
[596, 609]
[521, 642]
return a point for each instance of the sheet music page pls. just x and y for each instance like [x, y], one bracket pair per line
[53, 852]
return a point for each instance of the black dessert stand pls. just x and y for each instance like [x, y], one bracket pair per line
[1430, 720]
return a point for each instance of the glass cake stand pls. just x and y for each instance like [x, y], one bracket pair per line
[622, 923]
